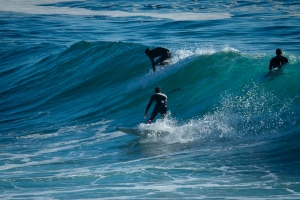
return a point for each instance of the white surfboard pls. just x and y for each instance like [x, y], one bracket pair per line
[275, 72]
[141, 132]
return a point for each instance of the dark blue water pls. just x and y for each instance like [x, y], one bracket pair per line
[73, 71]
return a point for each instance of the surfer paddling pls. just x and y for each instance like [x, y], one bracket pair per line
[160, 52]
[160, 107]
[277, 62]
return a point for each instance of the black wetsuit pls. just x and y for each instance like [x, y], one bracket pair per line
[277, 62]
[160, 107]
[160, 52]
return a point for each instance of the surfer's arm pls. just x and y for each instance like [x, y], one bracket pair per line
[149, 104]
[153, 64]
[286, 61]
[270, 65]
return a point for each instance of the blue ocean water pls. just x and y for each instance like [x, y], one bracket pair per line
[72, 71]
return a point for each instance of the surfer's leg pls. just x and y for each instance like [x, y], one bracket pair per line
[164, 113]
[157, 61]
[153, 115]
[162, 60]
[149, 121]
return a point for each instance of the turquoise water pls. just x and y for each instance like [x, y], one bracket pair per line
[73, 71]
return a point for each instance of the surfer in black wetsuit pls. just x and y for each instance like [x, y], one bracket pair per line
[160, 52]
[160, 107]
[278, 61]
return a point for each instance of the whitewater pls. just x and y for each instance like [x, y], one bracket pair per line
[73, 71]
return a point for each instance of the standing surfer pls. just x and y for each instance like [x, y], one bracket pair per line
[160, 107]
[160, 52]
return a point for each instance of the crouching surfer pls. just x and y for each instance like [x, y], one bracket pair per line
[162, 54]
[160, 107]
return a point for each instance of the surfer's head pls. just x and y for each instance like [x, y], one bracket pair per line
[278, 52]
[157, 90]
[147, 51]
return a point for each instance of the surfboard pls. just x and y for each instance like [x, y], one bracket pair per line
[275, 72]
[141, 132]
[131, 131]
[164, 63]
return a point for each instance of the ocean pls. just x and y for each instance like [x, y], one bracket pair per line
[72, 71]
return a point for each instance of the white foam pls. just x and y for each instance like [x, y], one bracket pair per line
[58, 146]
[35, 7]
[228, 48]
[179, 133]
[39, 136]
[294, 13]
[8, 166]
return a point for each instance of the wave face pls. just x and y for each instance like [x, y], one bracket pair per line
[231, 128]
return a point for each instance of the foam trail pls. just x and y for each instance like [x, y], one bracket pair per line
[35, 7]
